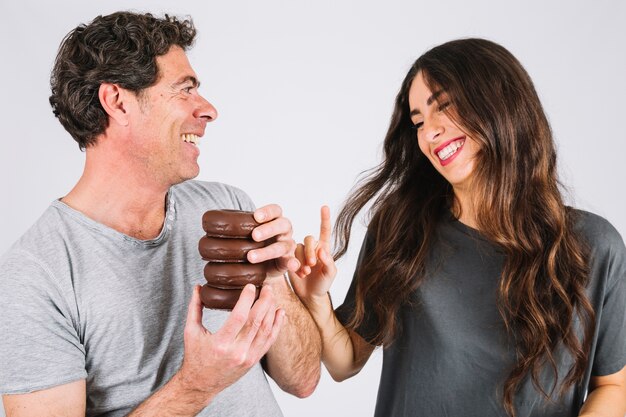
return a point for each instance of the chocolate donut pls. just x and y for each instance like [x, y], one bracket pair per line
[234, 275]
[226, 245]
[217, 298]
[226, 250]
[229, 223]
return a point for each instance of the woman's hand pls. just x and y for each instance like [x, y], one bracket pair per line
[317, 267]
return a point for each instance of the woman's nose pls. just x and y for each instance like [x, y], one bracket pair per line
[432, 128]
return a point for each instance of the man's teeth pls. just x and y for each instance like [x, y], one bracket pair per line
[189, 137]
[449, 150]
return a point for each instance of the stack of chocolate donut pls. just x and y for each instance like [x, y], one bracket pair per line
[225, 246]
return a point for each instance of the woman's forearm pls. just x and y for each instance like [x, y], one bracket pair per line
[343, 352]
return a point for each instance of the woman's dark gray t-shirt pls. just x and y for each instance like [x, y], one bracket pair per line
[453, 354]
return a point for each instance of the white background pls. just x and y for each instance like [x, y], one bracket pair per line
[305, 92]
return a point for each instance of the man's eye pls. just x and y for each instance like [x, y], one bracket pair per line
[417, 125]
[188, 89]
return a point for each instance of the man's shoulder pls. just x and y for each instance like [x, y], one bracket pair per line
[212, 194]
[44, 228]
[39, 242]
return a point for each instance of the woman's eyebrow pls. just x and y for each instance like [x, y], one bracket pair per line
[430, 100]
[434, 97]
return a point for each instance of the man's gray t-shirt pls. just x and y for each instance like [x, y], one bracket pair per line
[79, 300]
[453, 355]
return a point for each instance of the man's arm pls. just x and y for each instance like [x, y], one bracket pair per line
[293, 361]
[67, 400]
[212, 362]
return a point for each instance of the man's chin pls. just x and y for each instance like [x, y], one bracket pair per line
[186, 176]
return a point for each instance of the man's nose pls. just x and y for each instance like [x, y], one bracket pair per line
[205, 110]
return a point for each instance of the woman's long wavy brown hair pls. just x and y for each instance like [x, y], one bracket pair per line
[518, 206]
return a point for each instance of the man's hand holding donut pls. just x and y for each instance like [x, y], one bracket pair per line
[214, 361]
[277, 229]
[275, 326]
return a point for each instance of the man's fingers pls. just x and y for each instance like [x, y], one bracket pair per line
[279, 228]
[240, 313]
[283, 264]
[257, 314]
[325, 227]
[267, 213]
[259, 342]
[193, 325]
[275, 250]
[264, 341]
[194, 311]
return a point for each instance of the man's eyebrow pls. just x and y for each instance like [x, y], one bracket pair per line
[430, 100]
[189, 78]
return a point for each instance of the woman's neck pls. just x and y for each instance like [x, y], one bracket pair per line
[463, 209]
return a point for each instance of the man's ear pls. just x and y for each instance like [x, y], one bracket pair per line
[113, 99]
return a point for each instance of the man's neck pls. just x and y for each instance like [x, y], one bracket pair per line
[121, 198]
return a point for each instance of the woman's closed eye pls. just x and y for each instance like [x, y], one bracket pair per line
[417, 125]
[443, 106]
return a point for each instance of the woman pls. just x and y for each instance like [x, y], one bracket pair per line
[489, 295]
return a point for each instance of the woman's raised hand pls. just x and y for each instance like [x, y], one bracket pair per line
[317, 267]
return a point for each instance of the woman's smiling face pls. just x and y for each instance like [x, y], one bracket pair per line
[451, 151]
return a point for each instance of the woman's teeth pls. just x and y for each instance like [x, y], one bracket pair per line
[189, 137]
[449, 150]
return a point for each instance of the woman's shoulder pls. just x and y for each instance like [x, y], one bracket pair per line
[598, 232]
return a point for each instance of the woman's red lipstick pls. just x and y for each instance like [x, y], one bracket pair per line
[451, 158]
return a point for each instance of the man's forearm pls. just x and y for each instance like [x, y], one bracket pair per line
[293, 361]
[173, 399]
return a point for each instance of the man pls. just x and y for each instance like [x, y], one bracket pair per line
[99, 301]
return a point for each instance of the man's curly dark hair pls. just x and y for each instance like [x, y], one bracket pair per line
[120, 48]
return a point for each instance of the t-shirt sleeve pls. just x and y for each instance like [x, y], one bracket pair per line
[369, 325]
[243, 200]
[608, 295]
[40, 346]
[610, 354]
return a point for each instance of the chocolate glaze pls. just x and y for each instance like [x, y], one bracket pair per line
[234, 275]
[229, 223]
[226, 250]
[221, 299]
[226, 245]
